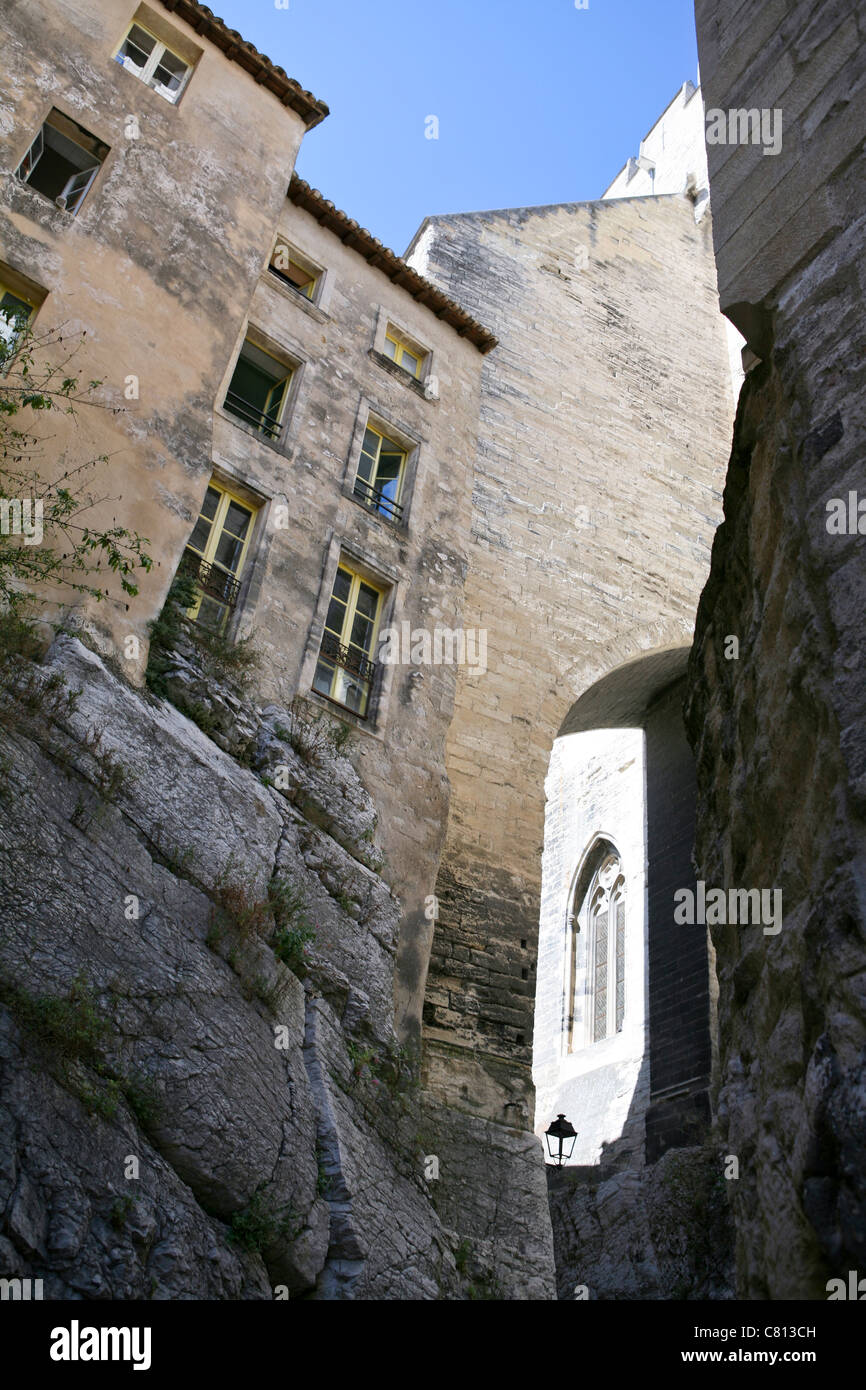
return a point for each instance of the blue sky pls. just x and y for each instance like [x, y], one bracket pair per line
[537, 101]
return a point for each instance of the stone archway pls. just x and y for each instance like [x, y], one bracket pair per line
[622, 767]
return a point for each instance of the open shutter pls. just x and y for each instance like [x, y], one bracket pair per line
[31, 158]
[75, 188]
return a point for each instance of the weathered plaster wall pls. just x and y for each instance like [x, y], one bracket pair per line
[778, 733]
[420, 562]
[158, 265]
[605, 419]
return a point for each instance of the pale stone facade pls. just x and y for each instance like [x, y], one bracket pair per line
[564, 456]
[605, 419]
[595, 792]
[168, 302]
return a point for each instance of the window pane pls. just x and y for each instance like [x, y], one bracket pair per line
[251, 385]
[350, 692]
[228, 552]
[600, 1009]
[336, 616]
[362, 632]
[323, 678]
[136, 47]
[237, 520]
[368, 601]
[371, 443]
[211, 614]
[199, 538]
[169, 71]
[14, 316]
[389, 469]
[210, 504]
[410, 363]
[342, 584]
[391, 348]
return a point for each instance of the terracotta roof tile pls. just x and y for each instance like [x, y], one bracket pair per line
[358, 239]
[234, 46]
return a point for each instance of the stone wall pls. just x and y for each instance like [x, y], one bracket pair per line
[157, 267]
[679, 969]
[595, 788]
[168, 299]
[605, 420]
[675, 145]
[778, 732]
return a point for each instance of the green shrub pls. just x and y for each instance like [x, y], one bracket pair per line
[289, 947]
[256, 1226]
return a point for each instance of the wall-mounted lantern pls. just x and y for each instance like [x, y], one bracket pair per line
[560, 1140]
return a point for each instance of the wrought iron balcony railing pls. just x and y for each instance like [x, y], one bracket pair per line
[351, 659]
[251, 415]
[214, 582]
[377, 501]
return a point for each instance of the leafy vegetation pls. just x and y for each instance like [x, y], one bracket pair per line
[256, 1226]
[37, 379]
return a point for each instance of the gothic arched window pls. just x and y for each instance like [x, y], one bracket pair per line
[598, 959]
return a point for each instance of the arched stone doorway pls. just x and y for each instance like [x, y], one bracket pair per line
[632, 1071]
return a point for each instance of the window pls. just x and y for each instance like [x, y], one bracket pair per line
[345, 672]
[298, 274]
[215, 556]
[598, 949]
[153, 62]
[606, 975]
[62, 162]
[407, 355]
[380, 474]
[15, 314]
[258, 389]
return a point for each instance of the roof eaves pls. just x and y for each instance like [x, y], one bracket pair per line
[235, 47]
[399, 271]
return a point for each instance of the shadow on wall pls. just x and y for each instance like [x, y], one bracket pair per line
[669, 1091]
[658, 1233]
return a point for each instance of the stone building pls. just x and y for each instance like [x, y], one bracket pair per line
[595, 499]
[622, 1023]
[519, 432]
[296, 405]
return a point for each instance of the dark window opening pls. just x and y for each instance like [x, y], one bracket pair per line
[62, 162]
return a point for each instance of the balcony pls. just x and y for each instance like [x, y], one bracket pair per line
[377, 501]
[351, 659]
[214, 582]
[251, 415]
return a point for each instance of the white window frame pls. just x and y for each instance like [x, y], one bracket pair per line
[73, 184]
[145, 74]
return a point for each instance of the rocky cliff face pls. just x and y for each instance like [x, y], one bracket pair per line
[657, 1232]
[203, 1096]
[778, 725]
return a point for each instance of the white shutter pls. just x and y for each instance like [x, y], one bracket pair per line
[75, 187]
[31, 158]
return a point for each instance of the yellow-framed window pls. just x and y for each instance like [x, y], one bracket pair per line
[258, 389]
[344, 672]
[289, 268]
[153, 62]
[16, 313]
[407, 355]
[381, 474]
[216, 553]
